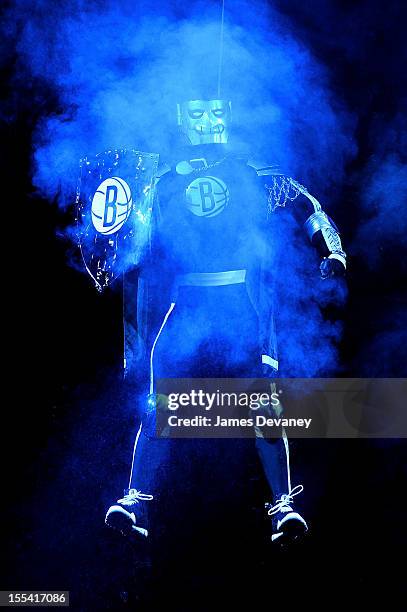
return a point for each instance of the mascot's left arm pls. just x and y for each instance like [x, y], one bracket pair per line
[320, 228]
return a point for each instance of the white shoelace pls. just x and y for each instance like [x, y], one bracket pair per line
[285, 500]
[134, 497]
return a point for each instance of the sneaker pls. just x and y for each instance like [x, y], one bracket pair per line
[128, 510]
[288, 525]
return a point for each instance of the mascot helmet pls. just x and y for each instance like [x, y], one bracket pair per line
[205, 121]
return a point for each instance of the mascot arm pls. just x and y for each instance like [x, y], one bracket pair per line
[324, 235]
[320, 228]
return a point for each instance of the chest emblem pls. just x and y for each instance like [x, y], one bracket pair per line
[207, 196]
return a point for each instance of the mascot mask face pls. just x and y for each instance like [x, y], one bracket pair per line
[205, 121]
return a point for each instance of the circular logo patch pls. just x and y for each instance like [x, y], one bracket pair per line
[207, 196]
[111, 205]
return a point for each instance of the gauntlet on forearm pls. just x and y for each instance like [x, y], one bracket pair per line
[324, 234]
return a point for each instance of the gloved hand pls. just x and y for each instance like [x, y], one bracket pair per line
[331, 267]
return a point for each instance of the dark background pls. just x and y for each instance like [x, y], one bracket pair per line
[70, 436]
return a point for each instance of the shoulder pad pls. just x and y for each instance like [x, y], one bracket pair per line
[263, 169]
[163, 169]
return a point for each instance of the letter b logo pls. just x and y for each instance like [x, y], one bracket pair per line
[111, 205]
[207, 196]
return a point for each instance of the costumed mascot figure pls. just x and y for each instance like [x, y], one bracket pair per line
[196, 235]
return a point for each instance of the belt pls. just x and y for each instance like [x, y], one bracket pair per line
[211, 279]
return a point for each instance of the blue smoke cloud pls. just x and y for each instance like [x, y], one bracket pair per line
[117, 70]
[386, 353]
[384, 194]
[381, 241]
